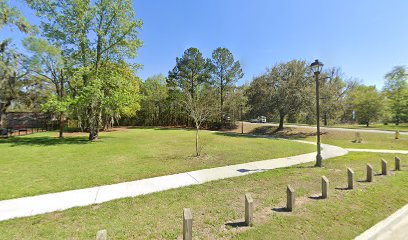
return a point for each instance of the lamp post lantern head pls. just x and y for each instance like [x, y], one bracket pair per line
[316, 67]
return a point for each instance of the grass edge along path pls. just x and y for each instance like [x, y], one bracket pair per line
[218, 207]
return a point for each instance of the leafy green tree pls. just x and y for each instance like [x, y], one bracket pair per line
[93, 35]
[14, 84]
[258, 94]
[191, 71]
[12, 16]
[236, 103]
[200, 109]
[111, 97]
[288, 84]
[154, 102]
[226, 72]
[47, 63]
[191, 76]
[333, 92]
[367, 102]
[396, 89]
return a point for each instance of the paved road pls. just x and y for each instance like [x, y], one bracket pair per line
[29, 206]
[395, 227]
[331, 128]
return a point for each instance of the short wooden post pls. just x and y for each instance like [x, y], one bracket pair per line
[290, 205]
[325, 187]
[249, 209]
[350, 175]
[397, 164]
[370, 173]
[102, 235]
[187, 224]
[384, 167]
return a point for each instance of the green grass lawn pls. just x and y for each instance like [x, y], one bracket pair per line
[344, 215]
[335, 137]
[375, 126]
[41, 163]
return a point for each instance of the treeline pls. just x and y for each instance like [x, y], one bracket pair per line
[78, 65]
[284, 93]
[207, 84]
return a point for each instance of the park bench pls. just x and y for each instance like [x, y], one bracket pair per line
[3, 133]
[20, 128]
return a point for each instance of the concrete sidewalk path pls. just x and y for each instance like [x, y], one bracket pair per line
[377, 150]
[395, 227]
[29, 206]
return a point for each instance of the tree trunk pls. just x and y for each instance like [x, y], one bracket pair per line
[61, 125]
[367, 124]
[281, 119]
[61, 95]
[325, 119]
[197, 152]
[222, 103]
[3, 108]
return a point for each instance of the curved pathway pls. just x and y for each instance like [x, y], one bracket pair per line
[29, 206]
[334, 128]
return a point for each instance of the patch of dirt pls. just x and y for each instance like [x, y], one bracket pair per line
[95, 207]
[55, 216]
[262, 216]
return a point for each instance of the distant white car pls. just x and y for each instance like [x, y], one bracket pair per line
[260, 119]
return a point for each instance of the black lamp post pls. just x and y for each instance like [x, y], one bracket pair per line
[317, 68]
[242, 120]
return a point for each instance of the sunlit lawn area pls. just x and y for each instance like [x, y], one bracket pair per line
[344, 215]
[370, 140]
[41, 163]
[379, 126]
[374, 126]
[335, 137]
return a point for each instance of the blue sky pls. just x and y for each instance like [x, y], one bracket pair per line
[364, 38]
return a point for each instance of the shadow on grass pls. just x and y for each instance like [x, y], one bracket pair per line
[316, 197]
[287, 132]
[239, 135]
[268, 132]
[243, 170]
[362, 181]
[46, 141]
[236, 224]
[163, 128]
[281, 209]
[309, 167]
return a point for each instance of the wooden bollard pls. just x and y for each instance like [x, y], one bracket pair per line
[290, 205]
[384, 167]
[249, 209]
[102, 235]
[397, 164]
[370, 173]
[350, 178]
[325, 187]
[187, 224]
